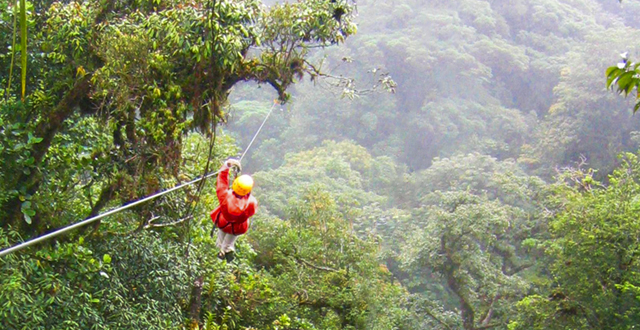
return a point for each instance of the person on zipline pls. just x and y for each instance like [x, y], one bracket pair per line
[236, 207]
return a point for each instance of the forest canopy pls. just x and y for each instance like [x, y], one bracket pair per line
[444, 165]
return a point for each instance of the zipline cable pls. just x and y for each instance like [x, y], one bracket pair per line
[127, 206]
[259, 129]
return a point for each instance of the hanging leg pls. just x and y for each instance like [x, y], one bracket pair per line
[219, 243]
[229, 247]
[228, 243]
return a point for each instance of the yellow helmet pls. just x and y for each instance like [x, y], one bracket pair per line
[242, 185]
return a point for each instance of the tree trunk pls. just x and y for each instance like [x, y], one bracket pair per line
[106, 195]
[46, 129]
[195, 302]
[466, 310]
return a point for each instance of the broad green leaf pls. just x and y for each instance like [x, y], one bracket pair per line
[611, 70]
[624, 81]
[630, 86]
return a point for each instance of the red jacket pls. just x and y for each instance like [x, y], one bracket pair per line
[234, 211]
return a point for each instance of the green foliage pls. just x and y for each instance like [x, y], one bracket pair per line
[13, 47]
[16, 145]
[510, 79]
[583, 120]
[324, 272]
[592, 254]
[122, 98]
[141, 279]
[475, 216]
[78, 285]
[626, 76]
[481, 175]
[151, 72]
[353, 176]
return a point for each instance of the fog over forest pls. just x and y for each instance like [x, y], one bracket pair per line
[464, 164]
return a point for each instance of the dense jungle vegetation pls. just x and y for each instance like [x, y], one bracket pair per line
[461, 164]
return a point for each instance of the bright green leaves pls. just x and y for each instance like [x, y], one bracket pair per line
[17, 144]
[32, 139]
[192, 32]
[158, 69]
[68, 33]
[626, 76]
[315, 21]
[316, 260]
[27, 211]
[75, 284]
[593, 255]
[287, 32]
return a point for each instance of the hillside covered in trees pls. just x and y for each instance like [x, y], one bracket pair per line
[464, 164]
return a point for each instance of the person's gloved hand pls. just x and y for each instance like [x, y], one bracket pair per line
[233, 162]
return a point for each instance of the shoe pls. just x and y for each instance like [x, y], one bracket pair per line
[229, 256]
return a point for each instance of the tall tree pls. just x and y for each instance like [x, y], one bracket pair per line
[469, 237]
[592, 255]
[152, 72]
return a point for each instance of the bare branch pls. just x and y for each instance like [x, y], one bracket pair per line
[487, 316]
[519, 269]
[488, 326]
[326, 269]
[348, 85]
[150, 225]
[300, 260]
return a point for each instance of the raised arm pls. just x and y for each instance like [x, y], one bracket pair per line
[222, 185]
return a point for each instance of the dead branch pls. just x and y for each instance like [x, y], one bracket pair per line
[151, 225]
[326, 269]
[306, 263]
